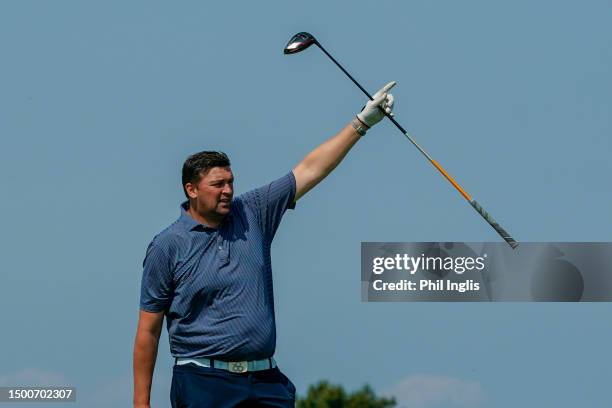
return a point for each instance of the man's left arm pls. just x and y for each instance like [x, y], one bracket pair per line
[322, 160]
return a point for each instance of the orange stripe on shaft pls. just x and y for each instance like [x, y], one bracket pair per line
[453, 182]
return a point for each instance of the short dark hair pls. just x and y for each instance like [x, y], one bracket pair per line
[199, 163]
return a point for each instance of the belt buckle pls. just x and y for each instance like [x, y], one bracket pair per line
[238, 366]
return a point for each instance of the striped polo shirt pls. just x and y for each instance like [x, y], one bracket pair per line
[215, 284]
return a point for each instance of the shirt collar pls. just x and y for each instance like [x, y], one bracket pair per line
[190, 224]
[186, 219]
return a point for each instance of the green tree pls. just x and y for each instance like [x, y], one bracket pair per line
[326, 395]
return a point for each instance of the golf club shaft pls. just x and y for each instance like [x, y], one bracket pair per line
[483, 213]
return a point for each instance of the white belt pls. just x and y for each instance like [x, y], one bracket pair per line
[231, 366]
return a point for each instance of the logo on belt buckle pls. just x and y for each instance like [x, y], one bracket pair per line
[238, 366]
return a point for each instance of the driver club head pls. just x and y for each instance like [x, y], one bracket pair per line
[299, 42]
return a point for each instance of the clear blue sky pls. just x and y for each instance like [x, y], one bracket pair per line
[101, 102]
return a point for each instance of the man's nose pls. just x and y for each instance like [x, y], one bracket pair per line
[228, 189]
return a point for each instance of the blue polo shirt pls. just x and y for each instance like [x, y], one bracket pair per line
[215, 284]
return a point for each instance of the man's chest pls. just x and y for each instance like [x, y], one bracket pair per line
[225, 259]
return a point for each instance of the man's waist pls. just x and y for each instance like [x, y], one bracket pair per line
[231, 366]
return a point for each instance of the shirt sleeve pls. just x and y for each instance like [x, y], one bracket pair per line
[271, 201]
[156, 285]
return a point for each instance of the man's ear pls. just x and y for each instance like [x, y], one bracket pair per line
[192, 190]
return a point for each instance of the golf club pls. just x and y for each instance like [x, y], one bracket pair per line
[303, 40]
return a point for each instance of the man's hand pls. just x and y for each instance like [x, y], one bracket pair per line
[372, 113]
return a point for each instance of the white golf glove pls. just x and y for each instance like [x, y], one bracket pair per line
[371, 115]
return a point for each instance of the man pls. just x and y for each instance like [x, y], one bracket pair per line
[209, 273]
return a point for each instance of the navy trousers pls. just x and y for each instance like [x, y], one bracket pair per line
[202, 387]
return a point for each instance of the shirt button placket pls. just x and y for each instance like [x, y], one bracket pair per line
[222, 254]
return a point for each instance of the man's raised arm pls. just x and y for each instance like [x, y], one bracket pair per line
[322, 160]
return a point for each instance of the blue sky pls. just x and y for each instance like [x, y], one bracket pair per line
[102, 101]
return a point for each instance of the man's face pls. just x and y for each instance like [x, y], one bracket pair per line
[214, 192]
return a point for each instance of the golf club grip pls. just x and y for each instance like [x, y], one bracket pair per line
[502, 232]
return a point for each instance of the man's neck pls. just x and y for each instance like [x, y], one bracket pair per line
[210, 221]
